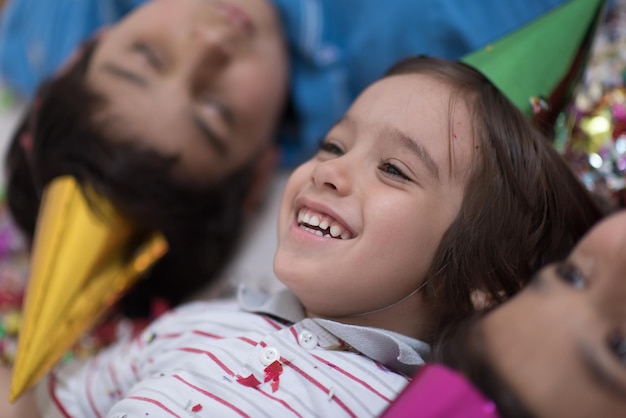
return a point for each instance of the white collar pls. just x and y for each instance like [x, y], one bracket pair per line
[394, 350]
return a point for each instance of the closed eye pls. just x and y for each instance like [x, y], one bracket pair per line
[153, 59]
[225, 113]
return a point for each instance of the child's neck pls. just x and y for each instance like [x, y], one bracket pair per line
[410, 318]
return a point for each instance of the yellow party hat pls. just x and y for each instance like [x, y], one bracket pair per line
[85, 255]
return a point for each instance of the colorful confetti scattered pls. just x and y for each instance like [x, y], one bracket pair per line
[592, 132]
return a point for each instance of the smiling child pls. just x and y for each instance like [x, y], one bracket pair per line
[432, 196]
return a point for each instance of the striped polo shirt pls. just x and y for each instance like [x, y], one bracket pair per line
[259, 357]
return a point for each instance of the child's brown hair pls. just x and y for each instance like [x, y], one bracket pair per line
[523, 206]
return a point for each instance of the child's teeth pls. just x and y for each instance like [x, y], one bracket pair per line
[327, 228]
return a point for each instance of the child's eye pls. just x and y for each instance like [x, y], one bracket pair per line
[571, 275]
[330, 147]
[617, 345]
[393, 170]
[148, 53]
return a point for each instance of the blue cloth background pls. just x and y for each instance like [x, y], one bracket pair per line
[337, 47]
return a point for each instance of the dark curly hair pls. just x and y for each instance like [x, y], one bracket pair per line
[201, 223]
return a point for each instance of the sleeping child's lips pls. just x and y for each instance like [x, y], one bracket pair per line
[236, 16]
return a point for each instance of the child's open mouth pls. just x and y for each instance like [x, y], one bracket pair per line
[322, 225]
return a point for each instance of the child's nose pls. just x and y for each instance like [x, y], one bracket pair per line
[609, 284]
[214, 43]
[334, 174]
[610, 290]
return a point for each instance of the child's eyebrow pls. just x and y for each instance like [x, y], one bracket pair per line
[405, 141]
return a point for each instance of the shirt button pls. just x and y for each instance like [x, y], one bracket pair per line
[307, 340]
[269, 355]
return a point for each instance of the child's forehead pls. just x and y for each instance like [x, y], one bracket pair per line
[421, 98]
[606, 240]
[413, 83]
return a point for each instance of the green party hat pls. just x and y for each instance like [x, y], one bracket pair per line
[544, 57]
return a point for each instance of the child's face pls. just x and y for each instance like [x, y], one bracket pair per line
[204, 79]
[386, 184]
[560, 344]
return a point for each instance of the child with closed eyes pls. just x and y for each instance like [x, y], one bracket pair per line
[557, 349]
[170, 115]
[432, 196]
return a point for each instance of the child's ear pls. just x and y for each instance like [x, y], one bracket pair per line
[262, 176]
[484, 300]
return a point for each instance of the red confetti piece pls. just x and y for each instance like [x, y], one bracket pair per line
[273, 372]
[158, 307]
[275, 385]
[249, 381]
[196, 408]
[26, 141]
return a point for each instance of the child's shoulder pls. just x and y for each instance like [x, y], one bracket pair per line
[202, 310]
[202, 314]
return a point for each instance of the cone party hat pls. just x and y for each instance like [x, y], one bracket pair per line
[543, 59]
[85, 255]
